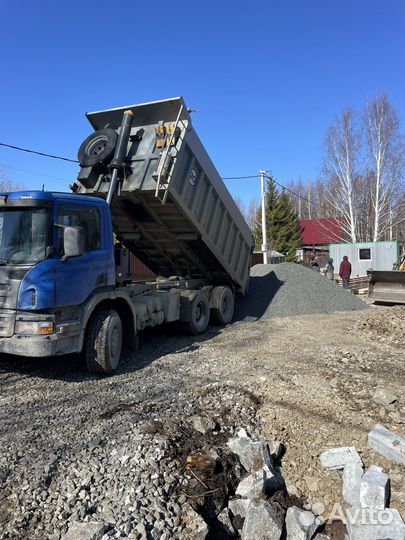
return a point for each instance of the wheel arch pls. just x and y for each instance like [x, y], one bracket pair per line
[121, 303]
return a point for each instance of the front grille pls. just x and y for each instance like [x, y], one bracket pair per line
[7, 321]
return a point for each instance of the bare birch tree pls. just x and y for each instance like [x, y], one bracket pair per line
[251, 213]
[6, 182]
[340, 170]
[385, 154]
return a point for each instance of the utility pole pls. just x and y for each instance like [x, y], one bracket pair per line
[264, 231]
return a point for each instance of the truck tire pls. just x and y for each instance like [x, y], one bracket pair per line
[103, 342]
[222, 304]
[99, 147]
[196, 313]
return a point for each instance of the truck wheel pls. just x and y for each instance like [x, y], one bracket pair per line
[99, 147]
[104, 342]
[222, 305]
[196, 313]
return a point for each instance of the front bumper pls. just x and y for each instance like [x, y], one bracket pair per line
[35, 346]
[66, 339]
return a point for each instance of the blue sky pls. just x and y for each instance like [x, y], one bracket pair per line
[267, 77]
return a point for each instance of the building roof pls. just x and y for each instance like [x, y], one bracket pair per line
[323, 231]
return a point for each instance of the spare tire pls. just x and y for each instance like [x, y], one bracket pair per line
[99, 147]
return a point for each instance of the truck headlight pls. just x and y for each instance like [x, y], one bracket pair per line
[42, 328]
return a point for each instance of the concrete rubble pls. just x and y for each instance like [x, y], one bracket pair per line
[238, 507]
[387, 443]
[252, 514]
[261, 522]
[374, 488]
[301, 524]
[352, 477]
[252, 455]
[253, 485]
[89, 530]
[339, 458]
[385, 524]
[368, 494]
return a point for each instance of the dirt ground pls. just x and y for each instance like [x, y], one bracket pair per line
[316, 377]
[312, 377]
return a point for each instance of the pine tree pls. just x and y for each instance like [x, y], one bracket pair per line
[282, 225]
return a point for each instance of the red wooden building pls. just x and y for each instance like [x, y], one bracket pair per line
[316, 236]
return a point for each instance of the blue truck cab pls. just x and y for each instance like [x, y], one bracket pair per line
[46, 296]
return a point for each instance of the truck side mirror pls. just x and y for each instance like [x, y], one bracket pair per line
[74, 242]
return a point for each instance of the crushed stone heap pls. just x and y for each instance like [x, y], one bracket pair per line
[289, 289]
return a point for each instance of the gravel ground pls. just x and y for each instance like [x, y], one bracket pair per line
[384, 326]
[75, 447]
[287, 289]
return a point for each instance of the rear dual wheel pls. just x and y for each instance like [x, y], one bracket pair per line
[195, 312]
[222, 304]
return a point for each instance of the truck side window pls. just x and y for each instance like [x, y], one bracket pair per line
[88, 218]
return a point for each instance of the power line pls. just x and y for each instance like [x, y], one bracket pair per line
[29, 151]
[293, 192]
[246, 177]
[41, 175]
[275, 181]
[240, 177]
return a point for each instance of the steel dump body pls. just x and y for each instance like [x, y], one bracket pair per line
[171, 208]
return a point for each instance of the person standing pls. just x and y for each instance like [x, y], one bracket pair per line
[330, 269]
[345, 271]
[314, 264]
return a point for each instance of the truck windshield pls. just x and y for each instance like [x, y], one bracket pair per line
[23, 235]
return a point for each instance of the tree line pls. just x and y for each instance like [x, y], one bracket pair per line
[361, 181]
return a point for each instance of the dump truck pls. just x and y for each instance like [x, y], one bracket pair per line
[146, 186]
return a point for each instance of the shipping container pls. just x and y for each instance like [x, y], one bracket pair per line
[366, 256]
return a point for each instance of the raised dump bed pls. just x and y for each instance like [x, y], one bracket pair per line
[171, 208]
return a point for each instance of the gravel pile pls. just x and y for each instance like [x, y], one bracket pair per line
[288, 289]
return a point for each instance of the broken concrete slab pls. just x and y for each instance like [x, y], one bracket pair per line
[373, 524]
[339, 458]
[238, 507]
[252, 485]
[89, 530]
[301, 524]
[261, 522]
[387, 443]
[384, 397]
[352, 476]
[374, 488]
[252, 455]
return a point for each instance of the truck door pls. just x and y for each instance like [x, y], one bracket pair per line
[77, 277]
